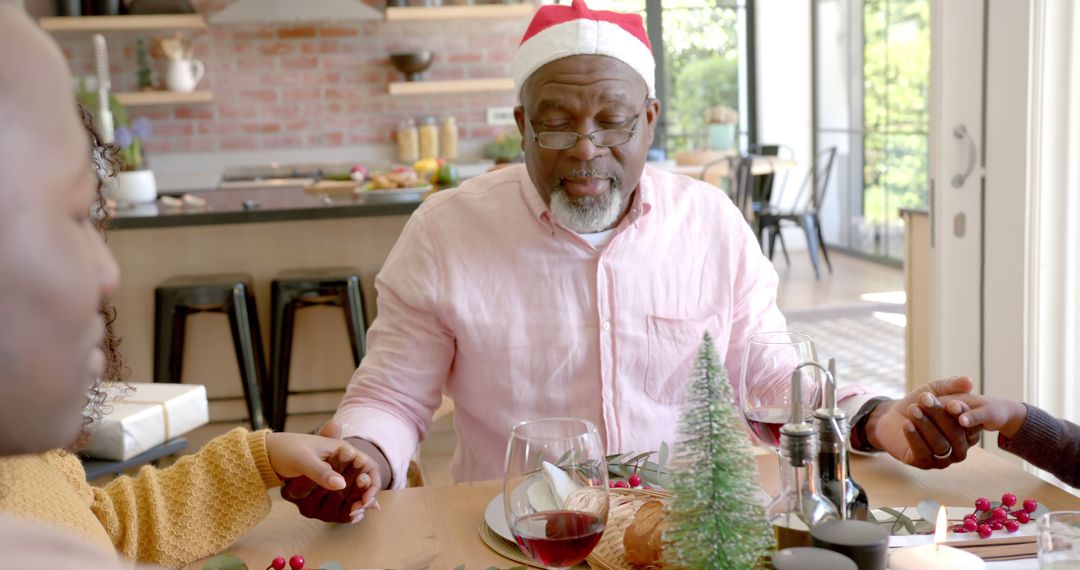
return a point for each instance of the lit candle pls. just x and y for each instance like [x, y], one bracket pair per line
[935, 556]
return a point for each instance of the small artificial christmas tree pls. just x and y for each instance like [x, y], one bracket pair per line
[716, 520]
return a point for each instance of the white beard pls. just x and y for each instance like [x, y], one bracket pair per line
[587, 214]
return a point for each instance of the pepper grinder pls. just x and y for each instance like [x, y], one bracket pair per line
[834, 464]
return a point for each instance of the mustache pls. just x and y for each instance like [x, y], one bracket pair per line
[612, 178]
[590, 173]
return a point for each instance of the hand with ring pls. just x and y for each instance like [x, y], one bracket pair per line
[918, 429]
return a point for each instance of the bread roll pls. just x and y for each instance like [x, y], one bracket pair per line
[643, 540]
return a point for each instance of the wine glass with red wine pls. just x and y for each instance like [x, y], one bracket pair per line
[765, 386]
[556, 491]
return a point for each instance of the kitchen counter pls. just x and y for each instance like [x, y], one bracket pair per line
[290, 229]
[270, 204]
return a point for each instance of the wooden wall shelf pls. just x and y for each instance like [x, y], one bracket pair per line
[91, 24]
[452, 86]
[151, 98]
[483, 11]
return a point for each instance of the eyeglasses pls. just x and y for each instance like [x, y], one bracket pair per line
[560, 140]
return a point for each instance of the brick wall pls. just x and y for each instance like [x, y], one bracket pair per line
[323, 85]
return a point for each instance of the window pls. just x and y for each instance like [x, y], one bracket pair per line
[872, 73]
[704, 45]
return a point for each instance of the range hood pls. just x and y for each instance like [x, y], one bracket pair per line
[292, 11]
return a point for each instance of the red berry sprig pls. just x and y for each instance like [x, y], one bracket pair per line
[296, 562]
[986, 518]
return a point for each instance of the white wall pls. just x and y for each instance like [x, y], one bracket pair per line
[784, 95]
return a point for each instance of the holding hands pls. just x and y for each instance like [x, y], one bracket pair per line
[920, 431]
[325, 476]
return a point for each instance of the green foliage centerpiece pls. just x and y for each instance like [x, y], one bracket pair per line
[716, 522]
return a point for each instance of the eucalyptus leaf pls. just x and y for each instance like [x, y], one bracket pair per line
[462, 567]
[663, 455]
[909, 525]
[923, 527]
[225, 562]
[637, 458]
[928, 510]
[562, 460]
[1039, 511]
[331, 565]
[901, 519]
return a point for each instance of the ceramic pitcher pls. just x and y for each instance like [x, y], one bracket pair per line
[184, 74]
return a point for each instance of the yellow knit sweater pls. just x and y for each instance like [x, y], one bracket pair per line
[172, 516]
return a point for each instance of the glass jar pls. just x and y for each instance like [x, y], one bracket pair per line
[408, 142]
[429, 138]
[448, 138]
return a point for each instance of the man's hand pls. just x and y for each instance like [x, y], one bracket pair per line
[347, 504]
[919, 431]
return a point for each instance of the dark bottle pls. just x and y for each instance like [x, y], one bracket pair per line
[834, 467]
[848, 496]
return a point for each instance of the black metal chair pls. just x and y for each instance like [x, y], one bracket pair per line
[296, 289]
[179, 297]
[763, 185]
[803, 212]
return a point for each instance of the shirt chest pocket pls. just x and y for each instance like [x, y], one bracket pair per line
[673, 349]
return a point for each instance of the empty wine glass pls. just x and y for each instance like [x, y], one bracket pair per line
[555, 490]
[765, 385]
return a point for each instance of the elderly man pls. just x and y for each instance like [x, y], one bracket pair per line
[579, 284]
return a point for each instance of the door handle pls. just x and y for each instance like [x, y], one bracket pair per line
[961, 133]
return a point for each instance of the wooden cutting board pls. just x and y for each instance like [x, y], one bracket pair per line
[332, 186]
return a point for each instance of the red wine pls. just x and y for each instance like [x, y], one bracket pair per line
[766, 423]
[558, 538]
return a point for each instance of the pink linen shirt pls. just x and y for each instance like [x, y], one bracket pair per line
[487, 299]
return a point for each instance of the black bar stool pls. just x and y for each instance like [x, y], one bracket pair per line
[296, 289]
[179, 297]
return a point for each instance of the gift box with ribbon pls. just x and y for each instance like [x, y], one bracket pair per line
[146, 417]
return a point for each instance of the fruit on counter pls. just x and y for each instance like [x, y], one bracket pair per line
[447, 175]
[397, 178]
[359, 173]
[427, 168]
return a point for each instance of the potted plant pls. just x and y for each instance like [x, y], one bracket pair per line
[135, 182]
[721, 122]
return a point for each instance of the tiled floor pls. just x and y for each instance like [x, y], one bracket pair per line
[867, 343]
[843, 312]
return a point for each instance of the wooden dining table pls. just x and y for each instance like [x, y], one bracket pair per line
[437, 527]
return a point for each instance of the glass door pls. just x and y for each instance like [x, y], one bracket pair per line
[872, 97]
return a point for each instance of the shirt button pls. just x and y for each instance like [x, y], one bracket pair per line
[606, 326]
[607, 393]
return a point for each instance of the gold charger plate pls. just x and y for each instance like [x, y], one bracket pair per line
[504, 547]
[608, 554]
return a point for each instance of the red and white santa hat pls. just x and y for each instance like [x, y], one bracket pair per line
[558, 31]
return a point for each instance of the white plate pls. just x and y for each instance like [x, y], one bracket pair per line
[495, 517]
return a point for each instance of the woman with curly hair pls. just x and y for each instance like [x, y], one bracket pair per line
[54, 273]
